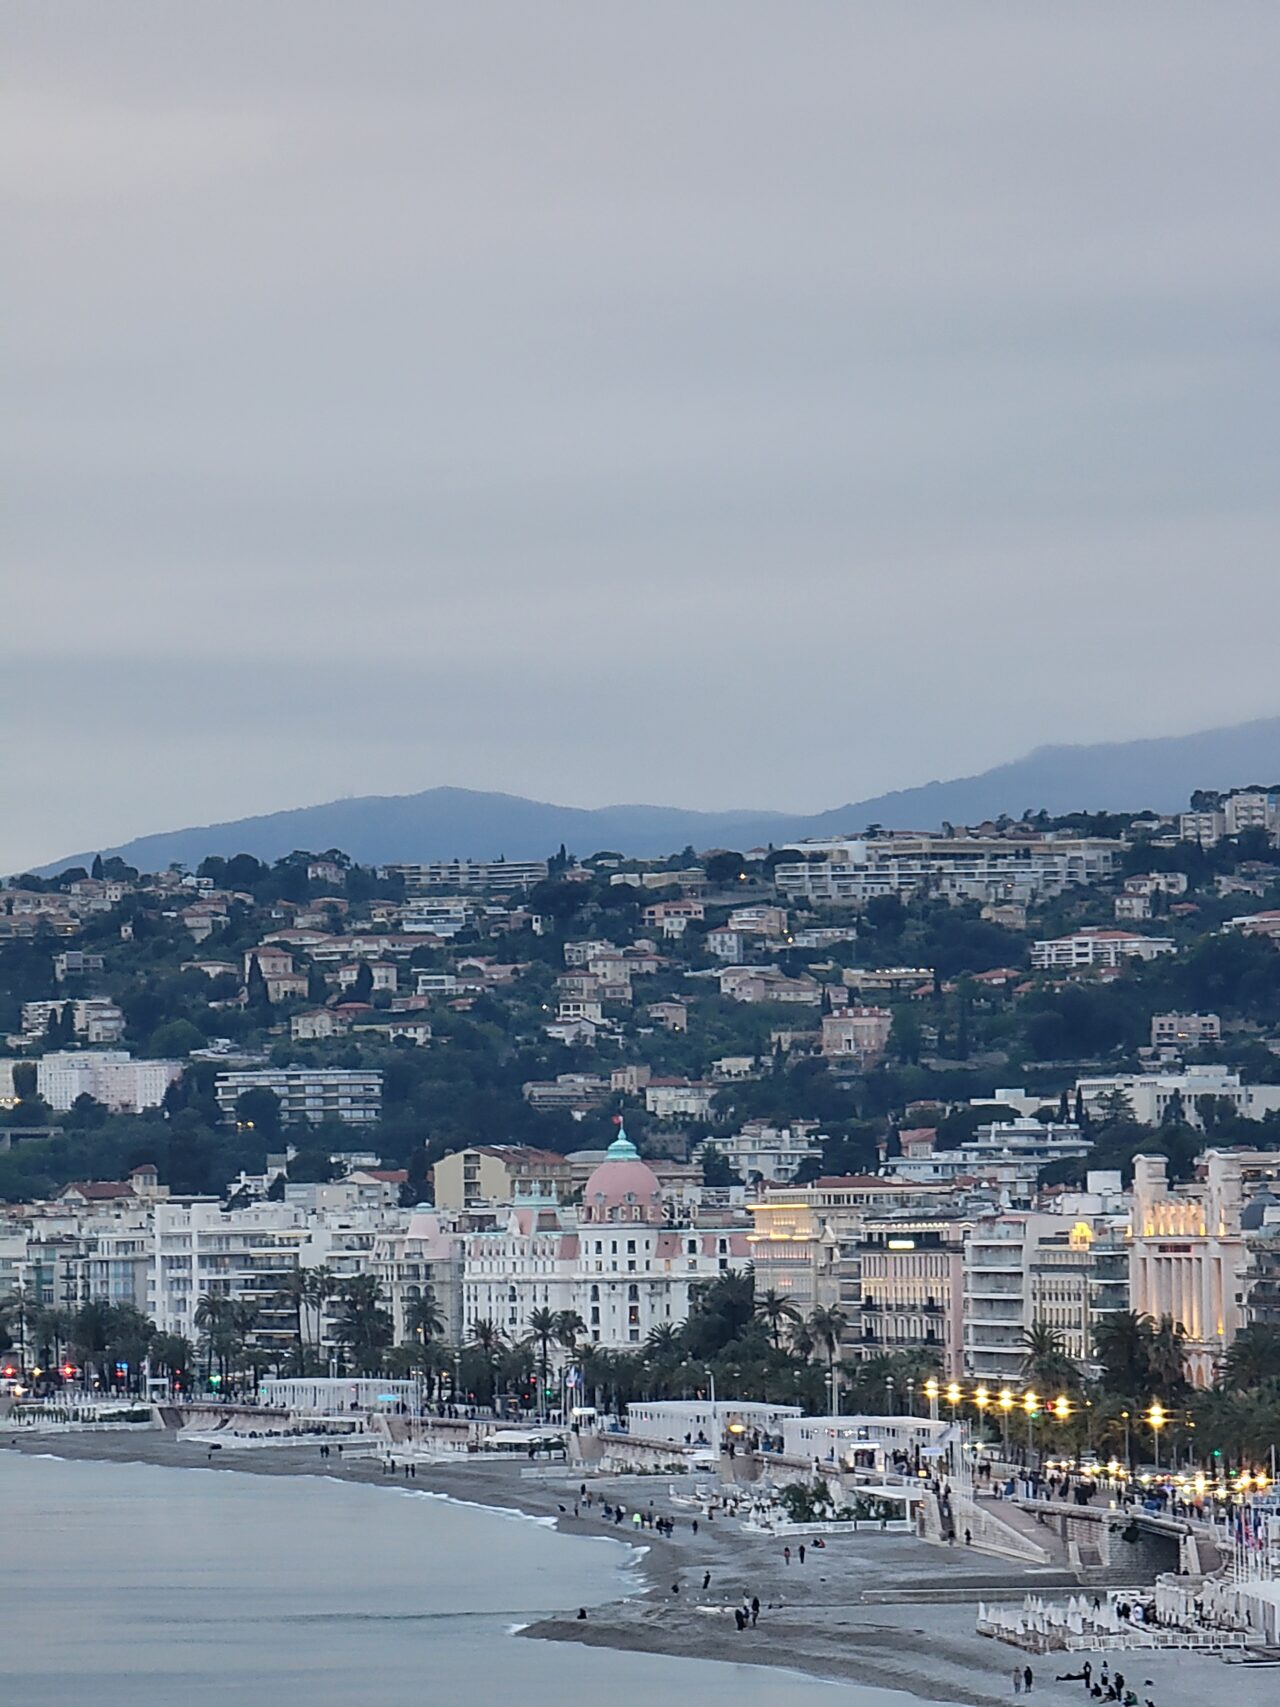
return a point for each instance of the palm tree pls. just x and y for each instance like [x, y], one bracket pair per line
[776, 1312]
[364, 1328]
[827, 1324]
[15, 1311]
[212, 1316]
[542, 1330]
[296, 1292]
[322, 1285]
[487, 1336]
[50, 1328]
[1046, 1362]
[570, 1328]
[1253, 1357]
[423, 1320]
[242, 1319]
[1169, 1356]
[663, 1343]
[801, 1340]
[170, 1353]
[1122, 1341]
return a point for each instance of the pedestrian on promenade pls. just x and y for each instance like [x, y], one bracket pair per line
[786, 1554]
[706, 1581]
[755, 1610]
[1028, 1678]
[802, 1552]
[1017, 1680]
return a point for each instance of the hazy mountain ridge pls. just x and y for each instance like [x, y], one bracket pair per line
[443, 823]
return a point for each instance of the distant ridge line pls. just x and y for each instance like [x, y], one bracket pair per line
[1158, 774]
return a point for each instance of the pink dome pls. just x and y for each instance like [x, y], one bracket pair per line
[622, 1188]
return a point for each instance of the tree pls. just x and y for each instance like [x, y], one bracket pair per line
[1253, 1357]
[258, 1110]
[295, 1291]
[213, 1317]
[172, 1355]
[724, 868]
[255, 985]
[423, 1320]
[776, 1312]
[542, 1330]
[716, 1171]
[1046, 1363]
[827, 1325]
[95, 870]
[362, 985]
[570, 1328]
[364, 1329]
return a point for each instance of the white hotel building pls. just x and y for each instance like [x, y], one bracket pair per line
[622, 1261]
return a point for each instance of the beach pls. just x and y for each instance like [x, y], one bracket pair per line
[882, 1611]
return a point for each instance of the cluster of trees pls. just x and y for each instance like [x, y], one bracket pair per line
[1142, 1363]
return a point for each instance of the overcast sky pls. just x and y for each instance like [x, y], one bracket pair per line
[712, 404]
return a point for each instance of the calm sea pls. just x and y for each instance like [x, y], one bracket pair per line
[122, 1585]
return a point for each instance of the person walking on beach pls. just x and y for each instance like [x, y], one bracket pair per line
[1017, 1680]
[786, 1555]
[802, 1552]
[706, 1581]
[1028, 1678]
[755, 1610]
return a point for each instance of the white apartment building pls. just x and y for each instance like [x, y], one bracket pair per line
[1252, 809]
[1024, 1268]
[500, 875]
[441, 915]
[770, 1153]
[1207, 828]
[93, 1018]
[1007, 1155]
[314, 1094]
[197, 1248]
[1096, 947]
[110, 1076]
[855, 869]
[1150, 1094]
[680, 1099]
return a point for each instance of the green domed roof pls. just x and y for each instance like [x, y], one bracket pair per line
[622, 1149]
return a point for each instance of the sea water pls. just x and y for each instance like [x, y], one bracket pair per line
[124, 1585]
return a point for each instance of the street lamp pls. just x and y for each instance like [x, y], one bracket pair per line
[982, 1399]
[931, 1393]
[1006, 1405]
[1157, 1417]
[1030, 1404]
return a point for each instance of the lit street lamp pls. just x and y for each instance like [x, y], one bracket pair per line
[1157, 1417]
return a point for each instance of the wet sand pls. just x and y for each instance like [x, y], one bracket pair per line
[883, 1610]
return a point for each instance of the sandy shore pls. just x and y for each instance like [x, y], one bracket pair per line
[876, 1609]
